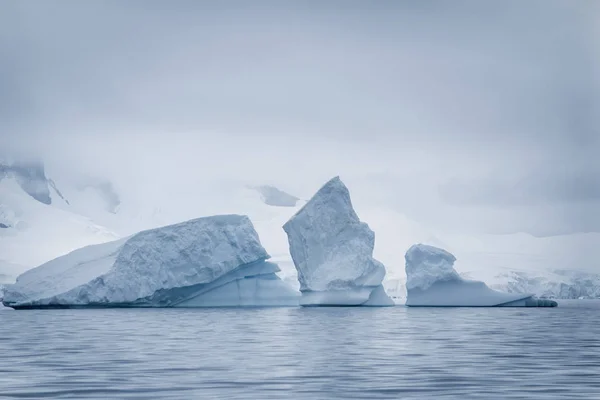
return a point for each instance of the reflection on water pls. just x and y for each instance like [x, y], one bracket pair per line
[309, 353]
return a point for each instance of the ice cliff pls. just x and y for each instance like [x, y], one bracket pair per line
[332, 251]
[431, 281]
[212, 261]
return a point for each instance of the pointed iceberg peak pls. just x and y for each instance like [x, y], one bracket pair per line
[335, 181]
[332, 251]
[334, 198]
[432, 281]
[334, 186]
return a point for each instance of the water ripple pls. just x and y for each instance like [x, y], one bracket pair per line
[312, 353]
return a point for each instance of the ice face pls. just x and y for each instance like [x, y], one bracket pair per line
[431, 281]
[332, 251]
[426, 265]
[253, 284]
[176, 265]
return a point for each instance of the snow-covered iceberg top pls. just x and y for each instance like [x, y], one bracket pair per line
[332, 251]
[431, 280]
[174, 265]
[426, 265]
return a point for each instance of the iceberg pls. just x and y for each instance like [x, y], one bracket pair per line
[211, 261]
[432, 281]
[332, 251]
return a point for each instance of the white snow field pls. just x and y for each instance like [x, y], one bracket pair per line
[35, 232]
[561, 267]
[85, 211]
[332, 251]
[432, 281]
[211, 261]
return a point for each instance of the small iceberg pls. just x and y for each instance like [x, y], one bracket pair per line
[332, 251]
[432, 281]
[205, 262]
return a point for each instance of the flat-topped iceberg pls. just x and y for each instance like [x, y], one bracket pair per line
[212, 261]
[332, 251]
[432, 281]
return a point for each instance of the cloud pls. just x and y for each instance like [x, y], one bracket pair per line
[558, 184]
[447, 112]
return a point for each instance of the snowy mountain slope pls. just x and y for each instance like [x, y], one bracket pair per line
[562, 284]
[39, 232]
[30, 176]
[432, 281]
[558, 266]
[394, 234]
[98, 200]
[38, 222]
[86, 210]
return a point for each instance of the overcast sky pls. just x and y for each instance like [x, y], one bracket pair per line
[468, 115]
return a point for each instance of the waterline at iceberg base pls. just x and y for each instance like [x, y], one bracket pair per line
[219, 261]
[432, 281]
[332, 251]
[206, 262]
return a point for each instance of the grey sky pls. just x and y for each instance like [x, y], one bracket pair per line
[470, 114]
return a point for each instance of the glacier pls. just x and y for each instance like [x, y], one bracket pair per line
[210, 261]
[332, 251]
[559, 284]
[432, 281]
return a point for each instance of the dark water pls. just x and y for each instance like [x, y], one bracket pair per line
[308, 353]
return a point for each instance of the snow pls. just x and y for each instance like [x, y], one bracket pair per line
[208, 261]
[433, 282]
[90, 210]
[557, 266]
[39, 232]
[9, 271]
[552, 267]
[562, 284]
[31, 177]
[426, 265]
[332, 251]
[98, 201]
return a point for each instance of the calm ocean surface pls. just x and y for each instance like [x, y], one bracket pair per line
[303, 353]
